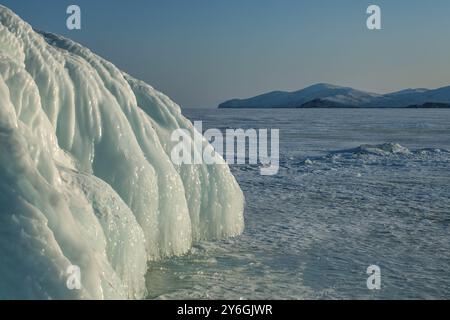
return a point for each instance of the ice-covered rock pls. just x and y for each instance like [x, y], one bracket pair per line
[381, 149]
[85, 173]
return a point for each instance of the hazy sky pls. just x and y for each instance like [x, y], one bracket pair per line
[202, 52]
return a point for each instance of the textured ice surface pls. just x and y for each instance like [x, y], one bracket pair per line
[355, 188]
[85, 176]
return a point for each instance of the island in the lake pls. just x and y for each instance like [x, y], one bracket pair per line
[331, 96]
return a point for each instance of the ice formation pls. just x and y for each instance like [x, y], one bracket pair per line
[85, 173]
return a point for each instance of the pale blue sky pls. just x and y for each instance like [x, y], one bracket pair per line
[202, 52]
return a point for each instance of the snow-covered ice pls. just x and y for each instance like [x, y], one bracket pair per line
[85, 173]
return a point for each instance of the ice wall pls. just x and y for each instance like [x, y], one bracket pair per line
[85, 173]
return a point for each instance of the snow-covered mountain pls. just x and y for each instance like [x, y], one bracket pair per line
[327, 95]
[281, 99]
[405, 98]
[86, 178]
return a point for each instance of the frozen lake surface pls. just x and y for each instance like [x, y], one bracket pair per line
[355, 188]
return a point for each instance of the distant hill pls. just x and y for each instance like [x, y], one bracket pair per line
[324, 95]
[431, 105]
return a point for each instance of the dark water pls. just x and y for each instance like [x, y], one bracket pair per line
[355, 188]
